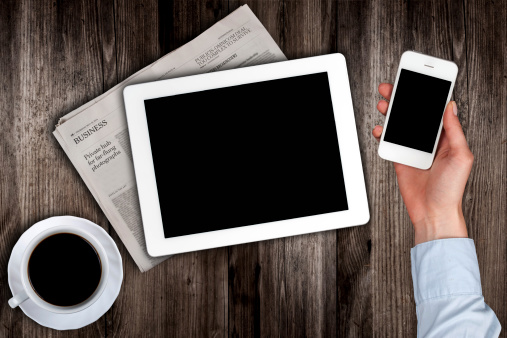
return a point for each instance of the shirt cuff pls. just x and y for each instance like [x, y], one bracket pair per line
[445, 267]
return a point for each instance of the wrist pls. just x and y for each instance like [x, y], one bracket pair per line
[440, 226]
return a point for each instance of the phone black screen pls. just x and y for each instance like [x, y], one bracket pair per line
[244, 155]
[417, 110]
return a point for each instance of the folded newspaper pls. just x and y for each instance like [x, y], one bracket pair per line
[95, 136]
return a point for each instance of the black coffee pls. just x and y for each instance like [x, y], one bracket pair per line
[64, 269]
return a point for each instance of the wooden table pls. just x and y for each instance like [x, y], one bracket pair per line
[57, 55]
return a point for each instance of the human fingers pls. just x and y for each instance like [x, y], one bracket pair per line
[443, 144]
[385, 89]
[377, 132]
[382, 107]
[454, 132]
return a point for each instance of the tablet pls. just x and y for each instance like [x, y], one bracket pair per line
[246, 155]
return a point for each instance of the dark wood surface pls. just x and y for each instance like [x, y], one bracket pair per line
[57, 55]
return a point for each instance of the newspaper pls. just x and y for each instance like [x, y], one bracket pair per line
[95, 136]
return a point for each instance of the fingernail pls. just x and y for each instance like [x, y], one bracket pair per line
[454, 108]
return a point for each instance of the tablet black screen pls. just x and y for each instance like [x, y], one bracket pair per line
[245, 155]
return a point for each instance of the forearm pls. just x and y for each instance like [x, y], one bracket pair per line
[448, 293]
[446, 224]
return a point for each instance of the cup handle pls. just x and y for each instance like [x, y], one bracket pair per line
[18, 299]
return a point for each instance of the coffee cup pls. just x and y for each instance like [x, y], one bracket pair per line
[38, 285]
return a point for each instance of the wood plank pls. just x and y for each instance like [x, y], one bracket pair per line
[355, 246]
[393, 305]
[244, 276]
[286, 287]
[10, 211]
[246, 272]
[310, 260]
[50, 65]
[187, 294]
[409, 23]
[428, 30]
[269, 13]
[107, 31]
[136, 30]
[256, 271]
[424, 27]
[485, 202]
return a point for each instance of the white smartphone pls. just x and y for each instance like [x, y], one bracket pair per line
[422, 90]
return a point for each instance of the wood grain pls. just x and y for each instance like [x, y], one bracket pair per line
[257, 290]
[310, 261]
[355, 246]
[50, 56]
[56, 56]
[285, 287]
[192, 301]
[485, 202]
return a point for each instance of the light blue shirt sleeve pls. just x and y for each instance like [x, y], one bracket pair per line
[448, 292]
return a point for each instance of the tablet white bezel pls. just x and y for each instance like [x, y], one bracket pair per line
[358, 212]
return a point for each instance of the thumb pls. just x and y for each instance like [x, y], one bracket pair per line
[452, 127]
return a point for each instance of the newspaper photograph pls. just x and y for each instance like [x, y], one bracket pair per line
[95, 136]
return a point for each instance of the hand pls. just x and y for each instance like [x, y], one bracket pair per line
[433, 197]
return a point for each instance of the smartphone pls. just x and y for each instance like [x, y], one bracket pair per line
[413, 124]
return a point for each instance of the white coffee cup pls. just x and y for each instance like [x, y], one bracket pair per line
[29, 293]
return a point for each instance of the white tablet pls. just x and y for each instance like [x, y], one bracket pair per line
[246, 155]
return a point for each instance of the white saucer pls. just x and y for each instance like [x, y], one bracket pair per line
[93, 312]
